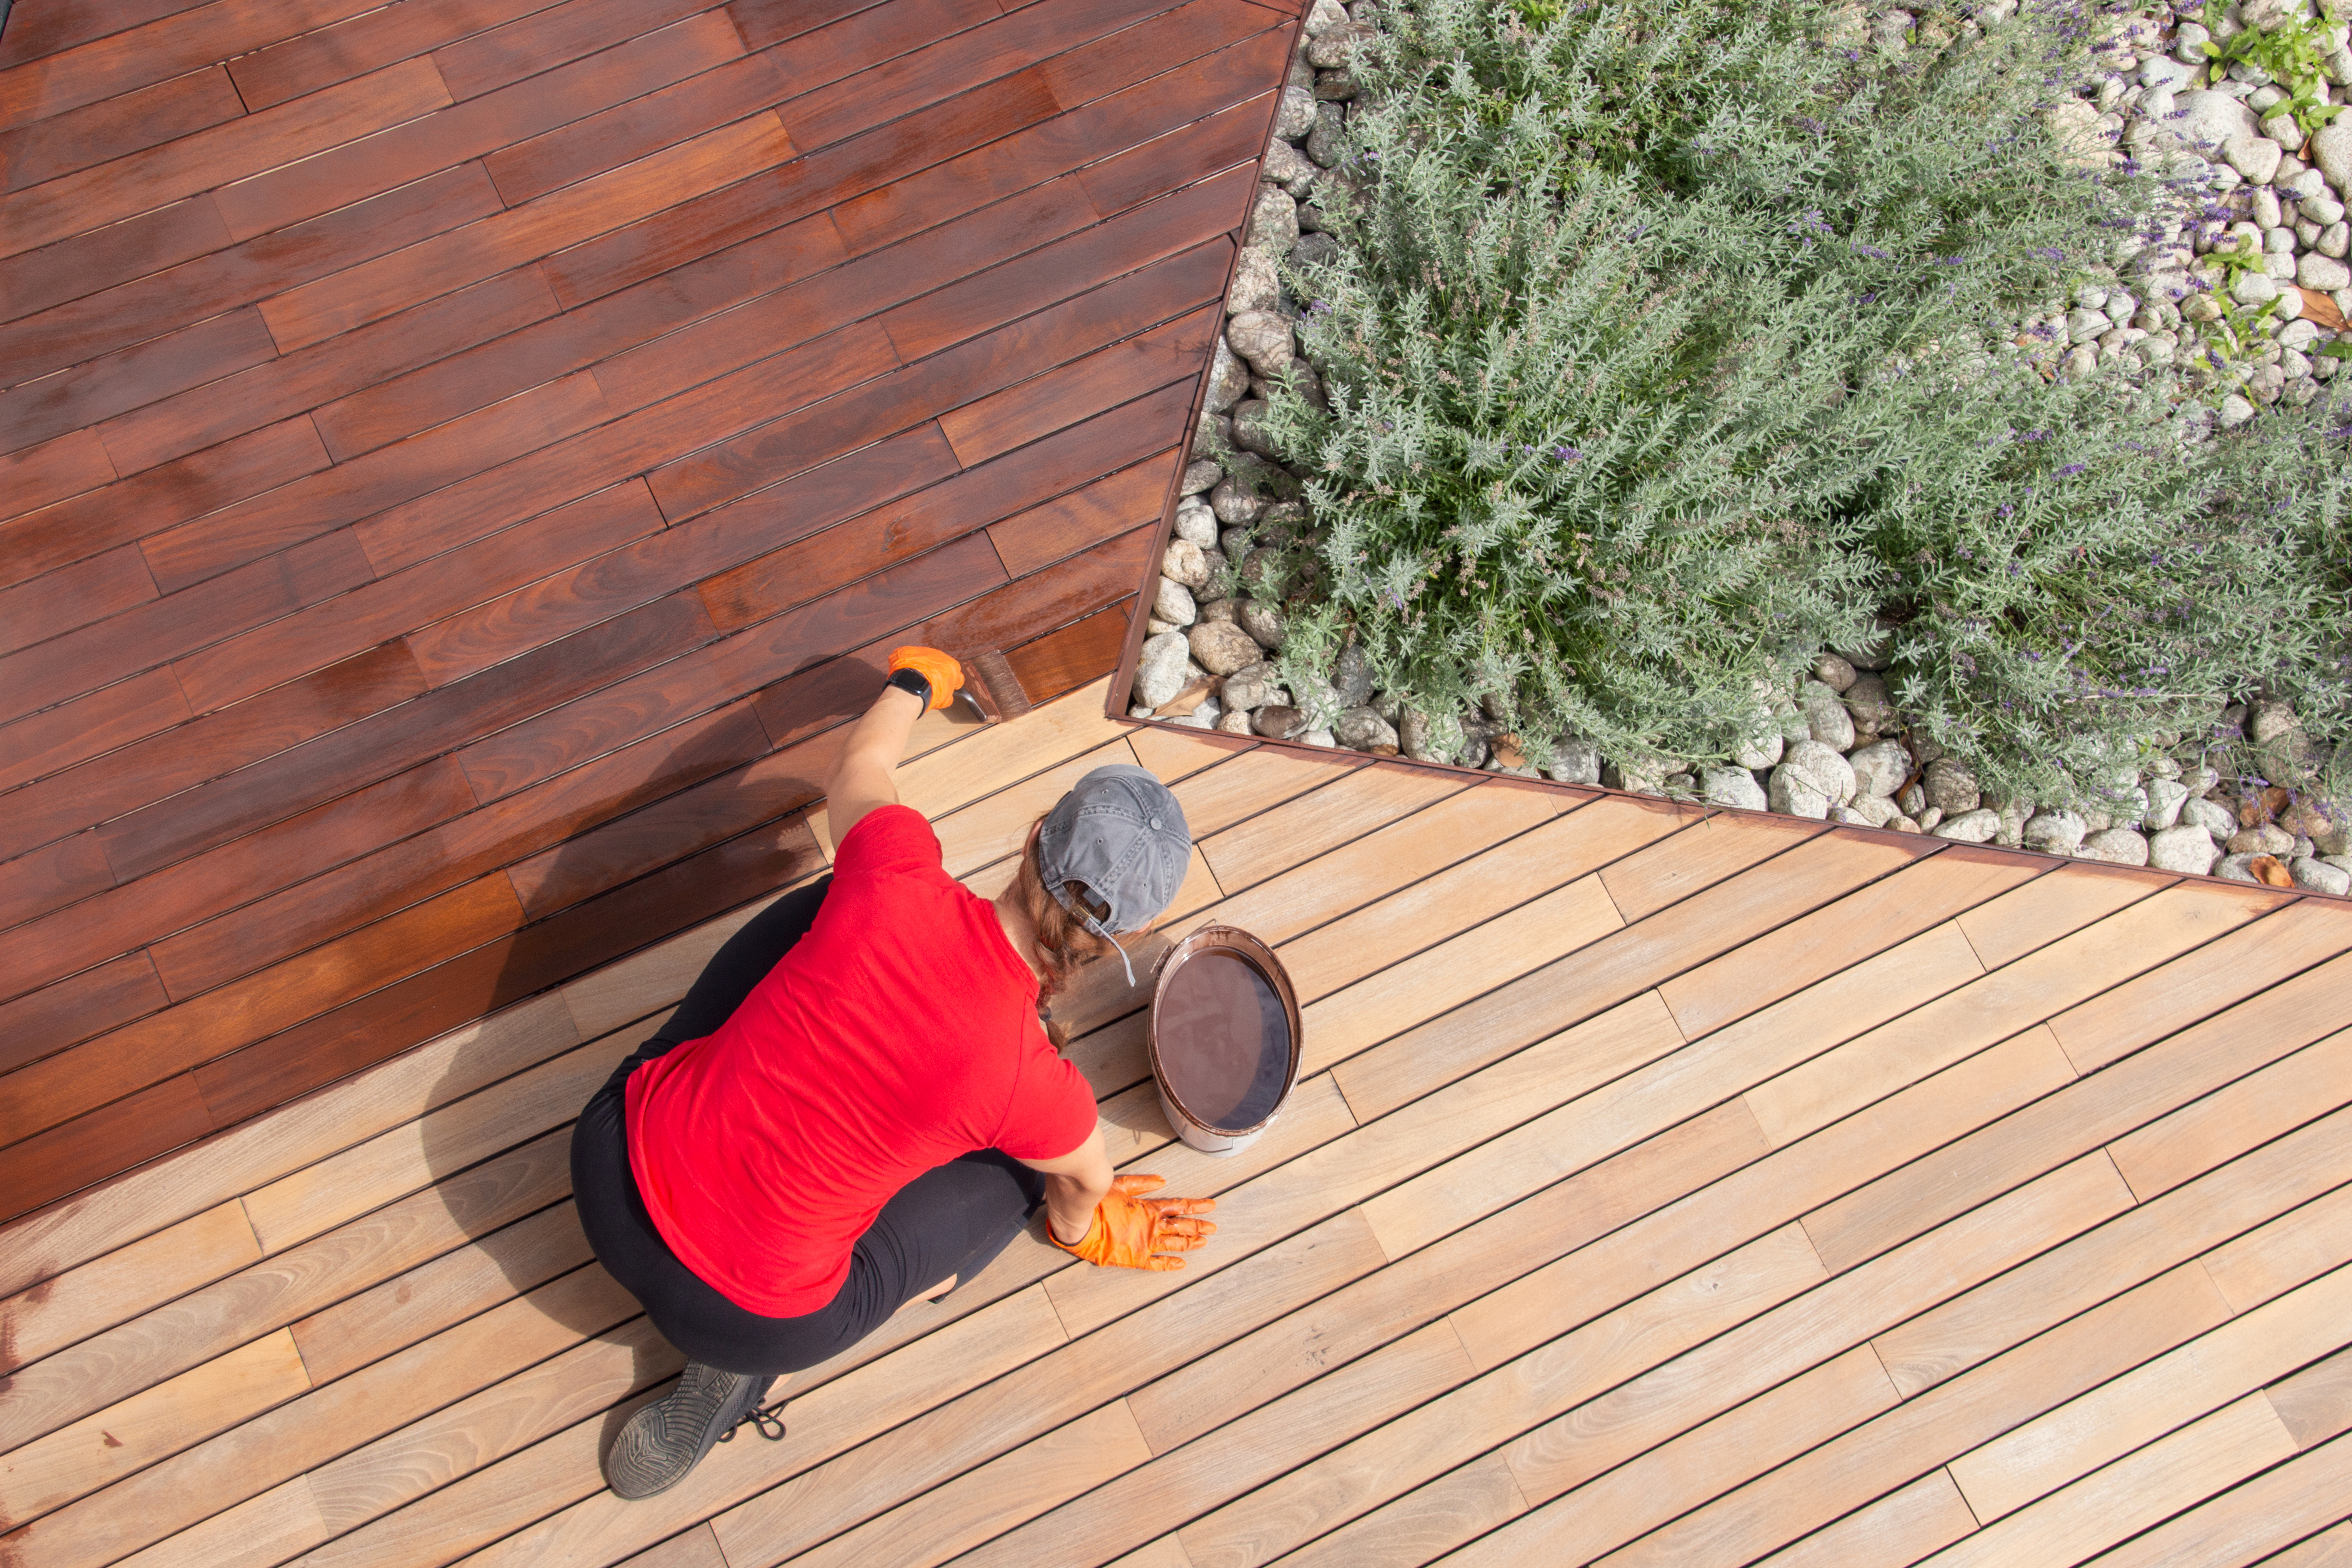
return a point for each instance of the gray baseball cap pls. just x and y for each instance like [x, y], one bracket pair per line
[1120, 834]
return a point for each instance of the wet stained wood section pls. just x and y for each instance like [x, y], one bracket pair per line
[1660, 1189]
[461, 461]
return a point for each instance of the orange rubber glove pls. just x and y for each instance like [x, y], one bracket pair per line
[1132, 1231]
[945, 675]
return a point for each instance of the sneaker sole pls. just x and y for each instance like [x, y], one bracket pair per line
[666, 1440]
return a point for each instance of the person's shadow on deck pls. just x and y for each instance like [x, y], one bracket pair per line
[686, 847]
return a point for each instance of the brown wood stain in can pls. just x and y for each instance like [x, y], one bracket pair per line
[1224, 1041]
[1223, 1037]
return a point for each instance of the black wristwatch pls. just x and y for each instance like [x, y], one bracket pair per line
[912, 681]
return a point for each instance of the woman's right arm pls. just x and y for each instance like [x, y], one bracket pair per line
[1111, 1220]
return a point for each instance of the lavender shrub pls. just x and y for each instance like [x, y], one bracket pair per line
[1666, 344]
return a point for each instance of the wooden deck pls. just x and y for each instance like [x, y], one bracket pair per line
[459, 458]
[1662, 1189]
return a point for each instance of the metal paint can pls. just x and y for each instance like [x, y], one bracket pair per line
[1225, 1039]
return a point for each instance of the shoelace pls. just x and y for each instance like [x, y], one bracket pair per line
[768, 1418]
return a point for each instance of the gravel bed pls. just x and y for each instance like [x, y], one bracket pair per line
[2240, 179]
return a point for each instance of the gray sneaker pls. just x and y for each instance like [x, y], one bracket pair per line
[668, 1437]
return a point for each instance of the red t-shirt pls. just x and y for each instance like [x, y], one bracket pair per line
[899, 1033]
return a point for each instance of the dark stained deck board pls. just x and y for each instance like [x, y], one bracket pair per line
[444, 434]
[1562, 1303]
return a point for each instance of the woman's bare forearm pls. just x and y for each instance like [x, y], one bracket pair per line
[1071, 1201]
[1075, 1185]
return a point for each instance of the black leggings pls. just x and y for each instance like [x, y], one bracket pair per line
[954, 1219]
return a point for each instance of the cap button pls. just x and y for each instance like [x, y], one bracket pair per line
[1155, 823]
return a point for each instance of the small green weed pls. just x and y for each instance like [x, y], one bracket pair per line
[2292, 56]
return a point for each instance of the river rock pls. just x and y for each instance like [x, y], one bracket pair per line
[1256, 285]
[1263, 621]
[2257, 157]
[1761, 751]
[1279, 721]
[1352, 677]
[1732, 786]
[2332, 150]
[2324, 273]
[1826, 719]
[1223, 648]
[1642, 776]
[1834, 671]
[1263, 339]
[1196, 522]
[1323, 16]
[1950, 787]
[2209, 119]
[1324, 143]
[2075, 127]
[1871, 704]
[1234, 502]
[1812, 778]
[1336, 86]
[2014, 814]
[1199, 475]
[1249, 427]
[2117, 846]
[2319, 876]
[1211, 437]
[1574, 760]
[2262, 838]
[1173, 604]
[1292, 170]
[1295, 117]
[1235, 722]
[2324, 824]
[1228, 380]
[1336, 48]
[1427, 739]
[2218, 820]
[1159, 669]
[1362, 728]
[1187, 562]
[1311, 251]
[1880, 768]
[1976, 827]
[2187, 848]
[1871, 810]
[1274, 220]
[2165, 799]
[2053, 832]
[1252, 686]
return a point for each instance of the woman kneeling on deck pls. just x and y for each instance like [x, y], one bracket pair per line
[857, 1103]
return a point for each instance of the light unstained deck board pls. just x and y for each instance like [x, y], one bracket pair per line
[2255, 1518]
[1902, 1527]
[1314, 1328]
[2249, 1351]
[2031, 1356]
[2210, 1454]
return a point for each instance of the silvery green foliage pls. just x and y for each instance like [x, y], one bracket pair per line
[1668, 343]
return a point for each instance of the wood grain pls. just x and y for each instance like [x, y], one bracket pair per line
[468, 462]
[2236, 1441]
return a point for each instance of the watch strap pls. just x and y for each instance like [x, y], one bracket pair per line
[912, 681]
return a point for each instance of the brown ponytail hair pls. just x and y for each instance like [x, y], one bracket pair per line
[1062, 943]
